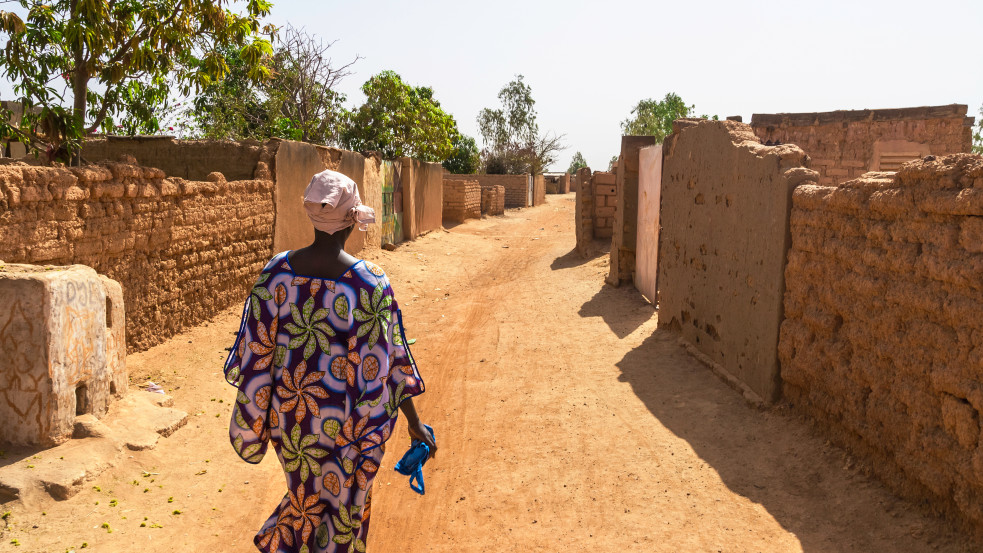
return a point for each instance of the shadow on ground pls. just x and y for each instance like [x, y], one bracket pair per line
[771, 457]
[623, 309]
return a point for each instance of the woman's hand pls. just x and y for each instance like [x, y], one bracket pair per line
[419, 432]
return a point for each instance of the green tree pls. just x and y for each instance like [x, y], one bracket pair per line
[654, 118]
[978, 135]
[400, 120]
[77, 63]
[511, 135]
[297, 101]
[466, 160]
[612, 162]
[576, 163]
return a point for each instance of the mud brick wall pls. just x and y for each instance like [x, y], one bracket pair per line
[538, 190]
[423, 191]
[584, 210]
[625, 227]
[493, 199]
[845, 144]
[516, 186]
[183, 250]
[552, 184]
[188, 159]
[883, 338]
[605, 203]
[724, 217]
[462, 200]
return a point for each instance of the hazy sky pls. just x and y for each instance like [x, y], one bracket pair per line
[588, 63]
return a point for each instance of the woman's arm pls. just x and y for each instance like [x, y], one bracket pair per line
[417, 430]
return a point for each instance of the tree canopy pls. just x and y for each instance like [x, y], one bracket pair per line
[576, 163]
[466, 160]
[80, 63]
[297, 101]
[978, 135]
[398, 119]
[654, 118]
[513, 143]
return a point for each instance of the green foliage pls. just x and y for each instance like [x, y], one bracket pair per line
[76, 63]
[978, 135]
[612, 162]
[654, 118]
[398, 120]
[513, 144]
[576, 163]
[466, 160]
[296, 102]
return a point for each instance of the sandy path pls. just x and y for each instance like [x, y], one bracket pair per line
[565, 422]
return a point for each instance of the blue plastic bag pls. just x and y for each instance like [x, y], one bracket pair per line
[413, 460]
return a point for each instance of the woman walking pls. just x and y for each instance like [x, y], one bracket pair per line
[322, 367]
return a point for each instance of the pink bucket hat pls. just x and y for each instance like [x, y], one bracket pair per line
[332, 203]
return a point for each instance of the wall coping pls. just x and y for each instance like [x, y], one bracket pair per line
[849, 116]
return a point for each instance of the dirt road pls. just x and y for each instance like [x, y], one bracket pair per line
[565, 421]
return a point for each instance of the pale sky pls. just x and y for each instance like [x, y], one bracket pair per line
[588, 63]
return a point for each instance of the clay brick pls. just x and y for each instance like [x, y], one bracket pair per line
[605, 190]
[606, 211]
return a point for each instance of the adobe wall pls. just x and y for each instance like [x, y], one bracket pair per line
[516, 186]
[846, 144]
[423, 191]
[188, 159]
[295, 164]
[183, 250]
[604, 185]
[493, 199]
[538, 190]
[584, 211]
[882, 339]
[462, 200]
[724, 218]
[625, 227]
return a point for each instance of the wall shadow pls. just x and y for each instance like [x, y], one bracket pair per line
[598, 248]
[776, 459]
[623, 309]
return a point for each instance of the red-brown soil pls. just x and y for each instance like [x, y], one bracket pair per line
[565, 422]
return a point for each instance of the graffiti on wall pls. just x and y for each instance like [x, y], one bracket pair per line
[392, 203]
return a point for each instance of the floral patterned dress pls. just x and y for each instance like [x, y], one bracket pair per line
[321, 367]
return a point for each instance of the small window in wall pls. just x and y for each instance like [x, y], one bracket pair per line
[890, 154]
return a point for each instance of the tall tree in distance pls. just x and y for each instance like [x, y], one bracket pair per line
[978, 135]
[576, 163]
[511, 135]
[398, 119]
[77, 63]
[654, 118]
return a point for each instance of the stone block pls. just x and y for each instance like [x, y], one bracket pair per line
[57, 335]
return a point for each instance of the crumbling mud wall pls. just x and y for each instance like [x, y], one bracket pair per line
[883, 338]
[516, 186]
[846, 144]
[605, 203]
[493, 199]
[584, 211]
[625, 228]
[183, 250]
[188, 159]
[724, 217]
[462, 200]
